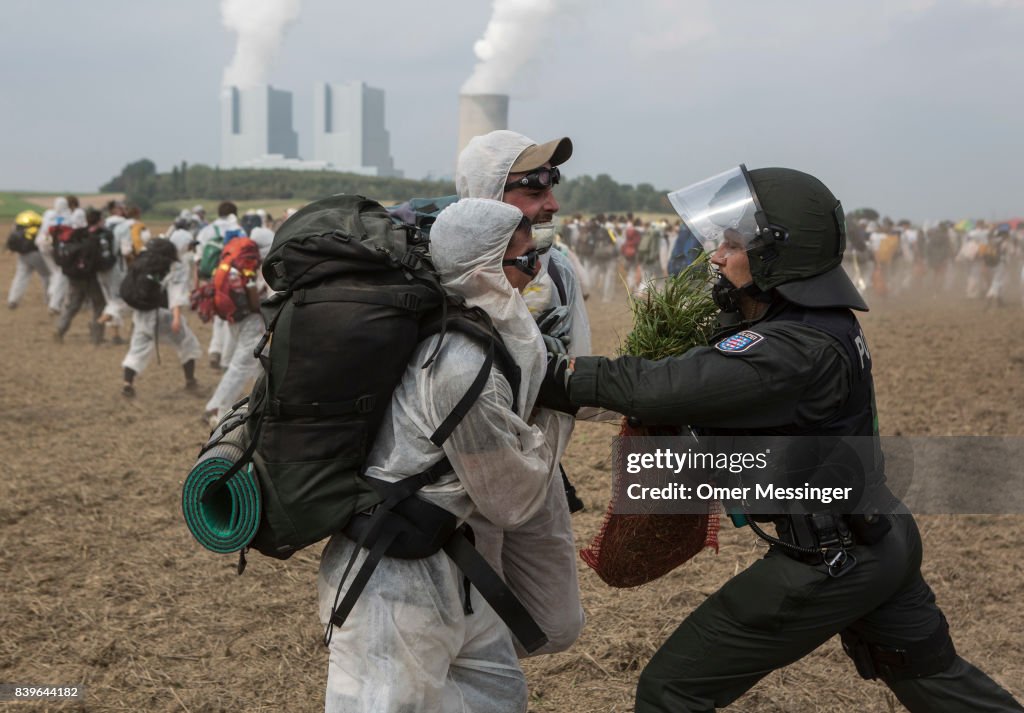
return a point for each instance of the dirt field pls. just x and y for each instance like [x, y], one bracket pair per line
[102, 584]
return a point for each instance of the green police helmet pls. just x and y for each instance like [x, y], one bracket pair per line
[790, 224]
[800, 253]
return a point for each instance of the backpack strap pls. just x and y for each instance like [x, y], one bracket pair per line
[466, 402]
[493, 589]
[556, 277]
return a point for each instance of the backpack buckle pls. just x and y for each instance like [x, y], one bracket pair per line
[365, 404]
[411, 261]
[410, 301]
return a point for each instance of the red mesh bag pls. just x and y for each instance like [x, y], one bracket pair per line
[631, 550]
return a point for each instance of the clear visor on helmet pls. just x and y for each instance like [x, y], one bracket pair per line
[719, 208]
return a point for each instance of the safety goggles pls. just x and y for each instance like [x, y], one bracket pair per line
[541, 178]
[527, 262]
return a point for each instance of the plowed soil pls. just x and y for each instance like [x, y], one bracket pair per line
[103, 586]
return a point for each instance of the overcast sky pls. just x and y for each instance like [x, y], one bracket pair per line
[915, 107]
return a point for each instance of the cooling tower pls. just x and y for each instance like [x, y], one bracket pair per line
[481, 114]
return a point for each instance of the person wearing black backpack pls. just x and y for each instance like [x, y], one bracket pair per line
[156, 287]
[84, 254]
[22, 241]
[418, 637]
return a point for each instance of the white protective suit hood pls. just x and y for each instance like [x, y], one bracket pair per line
[61, 210]
[485, 162]
[182, 240]
[264, 239]
[467, 243]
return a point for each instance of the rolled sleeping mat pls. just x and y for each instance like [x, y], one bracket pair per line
[228, 522]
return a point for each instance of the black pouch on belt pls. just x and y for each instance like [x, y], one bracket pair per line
[423, 528]
[869, 529]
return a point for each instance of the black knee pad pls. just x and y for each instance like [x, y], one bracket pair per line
[915, 659]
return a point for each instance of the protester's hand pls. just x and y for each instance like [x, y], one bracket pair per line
[176, 322]
[554, 322]
[554, 390]
[554, 345]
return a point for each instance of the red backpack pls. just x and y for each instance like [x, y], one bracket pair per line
[238, 264]
[633, 238]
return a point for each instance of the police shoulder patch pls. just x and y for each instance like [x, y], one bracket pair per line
[739, 342]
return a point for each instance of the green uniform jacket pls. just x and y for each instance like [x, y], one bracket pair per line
[794, 375]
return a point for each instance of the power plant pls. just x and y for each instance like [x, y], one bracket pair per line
[256, 122]
[481, 114]
[349, 129]
[349, 133]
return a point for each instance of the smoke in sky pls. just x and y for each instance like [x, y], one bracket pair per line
[260, 26]
[518, 32]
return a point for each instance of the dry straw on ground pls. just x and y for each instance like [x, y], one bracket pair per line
[101, 583]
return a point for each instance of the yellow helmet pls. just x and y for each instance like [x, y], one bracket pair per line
[28, 219]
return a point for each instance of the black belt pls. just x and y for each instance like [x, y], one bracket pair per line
[414, 529]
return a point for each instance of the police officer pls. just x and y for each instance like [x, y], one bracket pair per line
[791, 360]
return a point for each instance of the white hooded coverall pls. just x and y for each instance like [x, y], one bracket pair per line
[153, 326]
[408, 644]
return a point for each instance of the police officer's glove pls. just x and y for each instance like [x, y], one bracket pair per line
[554, 390]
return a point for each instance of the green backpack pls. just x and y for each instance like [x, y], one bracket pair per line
[210, 258]
[339, 266]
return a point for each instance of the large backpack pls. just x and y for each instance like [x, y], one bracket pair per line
[60, 238]
[107, 253]
[20, 242]
[338, 265]
[356, 295]
[79, 254]
[238, 264]
[210, 258]
[142, 288]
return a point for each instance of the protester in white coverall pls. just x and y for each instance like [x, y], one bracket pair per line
[60, 287]
[57, 288]
[227, 228]
[28, 221]
[408, 644]
[165, 325]
[548, 587]
[110, 279]
[244, 367]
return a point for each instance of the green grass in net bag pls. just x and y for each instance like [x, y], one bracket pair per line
[673, 316]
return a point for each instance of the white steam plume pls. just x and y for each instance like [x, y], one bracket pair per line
[516, 34]
[260, 25]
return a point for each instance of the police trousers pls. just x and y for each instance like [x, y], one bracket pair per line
[780, 609]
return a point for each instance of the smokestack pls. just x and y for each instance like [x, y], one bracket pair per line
[481, 114]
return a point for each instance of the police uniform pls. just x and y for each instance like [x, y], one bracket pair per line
[801, 369]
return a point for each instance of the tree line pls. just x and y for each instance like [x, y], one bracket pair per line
[145, 187]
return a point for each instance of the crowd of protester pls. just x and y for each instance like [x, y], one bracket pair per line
[83, 256]
[980, 259]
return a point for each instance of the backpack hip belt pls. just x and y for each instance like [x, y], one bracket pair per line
[412, 528]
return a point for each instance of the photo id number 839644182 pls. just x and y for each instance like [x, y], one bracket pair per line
[32, 692]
